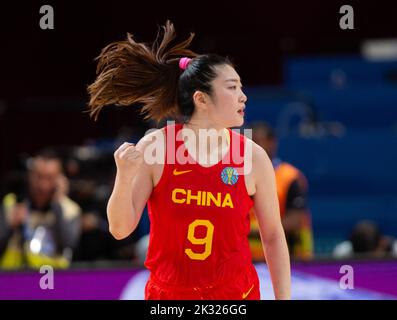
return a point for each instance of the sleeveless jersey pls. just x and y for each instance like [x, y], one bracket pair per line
[199, 217]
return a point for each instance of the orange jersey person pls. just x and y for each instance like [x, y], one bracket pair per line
[291, 191]
[292, 188]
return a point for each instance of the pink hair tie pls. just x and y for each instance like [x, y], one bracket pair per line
[184, 62]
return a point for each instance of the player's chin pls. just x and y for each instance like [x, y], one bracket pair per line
[238, 122]
[234, 122]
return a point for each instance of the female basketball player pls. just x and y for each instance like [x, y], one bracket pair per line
[198, 209]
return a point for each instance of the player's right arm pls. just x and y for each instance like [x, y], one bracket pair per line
[132, 188]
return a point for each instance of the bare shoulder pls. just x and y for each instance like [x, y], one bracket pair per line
[153, 136]
[261, 163]
[152, 146]
[255, 161]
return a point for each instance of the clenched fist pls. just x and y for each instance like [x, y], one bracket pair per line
[128, 159]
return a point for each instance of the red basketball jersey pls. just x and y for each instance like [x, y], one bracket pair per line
[199, 219]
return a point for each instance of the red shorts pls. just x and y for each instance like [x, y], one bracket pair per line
[244, 288]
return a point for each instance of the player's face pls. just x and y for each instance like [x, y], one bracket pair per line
[228, 99]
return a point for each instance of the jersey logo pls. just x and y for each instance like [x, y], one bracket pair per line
[177, 173]
[245, 295]
[229, 176]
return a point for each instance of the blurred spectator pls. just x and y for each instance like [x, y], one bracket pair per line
[91, 169]
[43, 225]
[292, 188]
[31, 212]
[366, 240]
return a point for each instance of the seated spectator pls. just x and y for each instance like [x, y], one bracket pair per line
[43, 225]
[91, 171]
[366, 240]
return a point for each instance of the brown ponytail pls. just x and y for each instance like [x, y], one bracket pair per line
[129, 72]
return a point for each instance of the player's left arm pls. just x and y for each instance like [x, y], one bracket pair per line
[270, 226]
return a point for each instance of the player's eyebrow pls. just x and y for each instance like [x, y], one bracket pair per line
[233, 80]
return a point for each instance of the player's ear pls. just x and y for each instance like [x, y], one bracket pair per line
[200, 99]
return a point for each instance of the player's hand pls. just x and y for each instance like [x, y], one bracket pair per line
[128, 160]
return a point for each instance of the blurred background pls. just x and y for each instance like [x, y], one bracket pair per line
[321, 100]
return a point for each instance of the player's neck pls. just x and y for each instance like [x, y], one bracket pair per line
[196, 124]
[216, 146]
